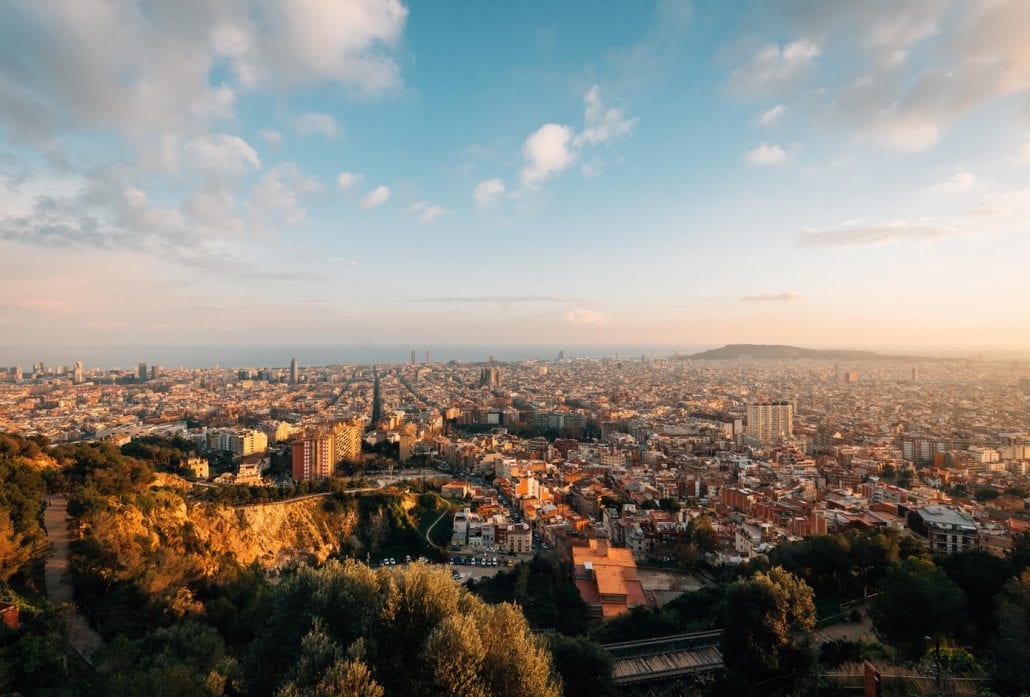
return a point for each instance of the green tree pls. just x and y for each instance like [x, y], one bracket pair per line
[762, 615]
[584, 665]
[1011, 665]
[702, 535]
[21, 504]
[419, 633]
[982, 577]
[918, 600]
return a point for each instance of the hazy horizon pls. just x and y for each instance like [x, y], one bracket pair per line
[279, 356]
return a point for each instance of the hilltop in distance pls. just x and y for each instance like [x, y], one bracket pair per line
[781, 352]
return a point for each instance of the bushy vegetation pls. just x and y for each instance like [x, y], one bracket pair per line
[22, 537]
[180, 620]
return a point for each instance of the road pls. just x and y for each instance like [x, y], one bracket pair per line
[59, 587]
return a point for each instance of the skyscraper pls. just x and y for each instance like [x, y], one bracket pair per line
[770, 421]
[294, 372]
[427, 357]
[77, 373]
[413, 356]
[155, 372]
[141, 374]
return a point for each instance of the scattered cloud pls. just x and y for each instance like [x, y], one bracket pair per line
[428, 212]
[774, 67]
[765, 154]
[553, 147]
[873, 236]
[316, 124]
[488, 191]
[960, 182]
[347, 180]
[223, 154]
[271, 136]
[783, 297]
[1024, 153]
[282, 189]
[375, 198]
[772, 115]
[504, 299]
[602, 125]
[546, 152]
[582, 317]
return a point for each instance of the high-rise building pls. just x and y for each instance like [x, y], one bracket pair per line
[17, 373]
[155, 372]
[770, 421]
[915, 375]
[427, 357]
[313, 457]
[347, 440]
[77, 373]
[294, 372]
[408, 438]
[413, 356]
[141, 373]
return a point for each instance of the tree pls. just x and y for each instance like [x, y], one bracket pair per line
[21, 504]
[917, 600]
[761, 616]
[419, 633]
[1011, 665]
[585, 666]
[703, 536]
[982, 577]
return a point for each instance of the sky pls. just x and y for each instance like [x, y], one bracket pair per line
[229, 172]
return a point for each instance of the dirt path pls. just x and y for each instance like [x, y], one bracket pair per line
[58, 585]
[430, 528]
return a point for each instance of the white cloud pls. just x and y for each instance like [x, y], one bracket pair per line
[316, 124]
[773, 67]
[546, 152]
[488, 191]
[771, 115]
[766, 154]
[960, 182]
[282, 189]
[782, 297]
[874, 236]
[601, 125]
[431, 213]
[271, 136]
[428, 212]
[346, 180]
[224, 154]
[375, 198]
[582, 317]
[311, 42]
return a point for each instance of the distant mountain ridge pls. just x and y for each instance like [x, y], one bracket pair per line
[782, 352]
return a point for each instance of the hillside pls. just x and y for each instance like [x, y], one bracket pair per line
[772, 352]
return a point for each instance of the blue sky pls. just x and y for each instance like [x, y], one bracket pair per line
[820, 173]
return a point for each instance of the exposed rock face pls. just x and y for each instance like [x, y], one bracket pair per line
[168, 533]
[272, 534]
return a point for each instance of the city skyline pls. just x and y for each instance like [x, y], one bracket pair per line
[672, 175]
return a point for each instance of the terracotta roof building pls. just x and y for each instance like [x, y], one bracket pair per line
[606, 578]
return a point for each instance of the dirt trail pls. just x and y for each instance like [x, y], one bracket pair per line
[59, 585]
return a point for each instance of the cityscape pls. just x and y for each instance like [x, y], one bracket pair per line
[360, 348]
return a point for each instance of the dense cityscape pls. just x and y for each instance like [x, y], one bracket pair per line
[374, 348]
[640, 480]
